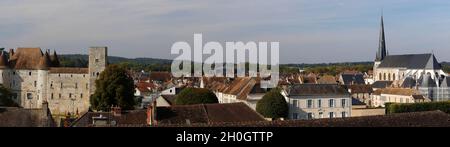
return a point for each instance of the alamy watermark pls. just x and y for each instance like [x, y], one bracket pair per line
[258, 63]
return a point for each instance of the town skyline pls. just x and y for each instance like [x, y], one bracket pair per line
[328, 32]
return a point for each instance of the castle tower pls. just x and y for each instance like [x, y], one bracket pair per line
[382, 51]
[42, 79]
[97, 63]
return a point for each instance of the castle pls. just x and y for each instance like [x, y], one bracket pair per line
[35, 77]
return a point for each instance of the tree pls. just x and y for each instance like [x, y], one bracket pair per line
[190, 96]
[114, 87]
[5, 97]
[273, 105]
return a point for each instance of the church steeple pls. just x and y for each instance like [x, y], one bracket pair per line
[382, 51]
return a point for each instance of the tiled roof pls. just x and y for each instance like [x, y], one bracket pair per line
[69, 70]
[382, 84]
[145, 86]
[316, 89]
[242, 87]
[414, 119]
[327, 79]
[399, 91]
[126, 118]
[206, 113]
[360, 88]
[19, 117]
[160, 76]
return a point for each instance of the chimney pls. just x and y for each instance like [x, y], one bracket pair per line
[151, 114]
[117, 111]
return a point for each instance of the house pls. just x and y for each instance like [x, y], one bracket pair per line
[312, 101]
[202, 114]
[381, 84]
[26, 117]
[160, 77]
[165, 100]
[396, 95]
[361, 109]
[246, 90]
[361, 92]
[115, 118]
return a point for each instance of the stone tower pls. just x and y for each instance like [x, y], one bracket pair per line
[97, 63]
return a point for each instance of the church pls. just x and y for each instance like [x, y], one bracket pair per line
[36, 77]
[420, 71]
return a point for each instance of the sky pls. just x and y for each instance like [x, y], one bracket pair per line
[309, 31]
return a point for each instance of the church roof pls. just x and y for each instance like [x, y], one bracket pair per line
[350, 79]
[409, 82]
[411, 61]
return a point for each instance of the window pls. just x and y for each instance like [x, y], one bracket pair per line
[81, 95]
[309, 103]
[29, 96]
[331, 102]
[294, 104]
[401, 100]
[96, 60]
[393, 77]
[407, 100]
[331, 114]
[384, 76]
[310, 116]
[344, 114]
[319, 103]
[61, 85]
[343, 103]
[76, 85]
[70, 95]
[320, 114]
[60, 95]
[35, 83]
[51, 84]
[294, 116]
[29, 73]
[51, 97]
[379, 77]
[389, 76]
[71, 75]
[14, 73]
[87, 86]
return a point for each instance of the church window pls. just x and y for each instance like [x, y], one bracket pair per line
[389, 76]
[384, 76]
[393, 77]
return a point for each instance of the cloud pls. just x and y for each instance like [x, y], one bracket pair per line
[308, 31]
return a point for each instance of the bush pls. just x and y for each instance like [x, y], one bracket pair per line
[273, 105]
[417, 107]
[191, 96]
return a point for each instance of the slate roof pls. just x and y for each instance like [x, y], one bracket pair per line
[206, 113]
[381, 84]
[350, 79]
[409, 82]
[316, 89]
[411, 61]
[413, 119]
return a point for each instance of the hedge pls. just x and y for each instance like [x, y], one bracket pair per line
[417, 107]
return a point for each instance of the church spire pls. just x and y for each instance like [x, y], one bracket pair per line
[381, 53]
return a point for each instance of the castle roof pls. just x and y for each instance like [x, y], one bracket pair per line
[44, 62]
[26, 58]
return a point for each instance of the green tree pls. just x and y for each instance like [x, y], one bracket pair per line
[114, 87]
[190, 96]
[273, 105]
[5, 97]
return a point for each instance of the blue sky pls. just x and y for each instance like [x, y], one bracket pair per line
[313, 31]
